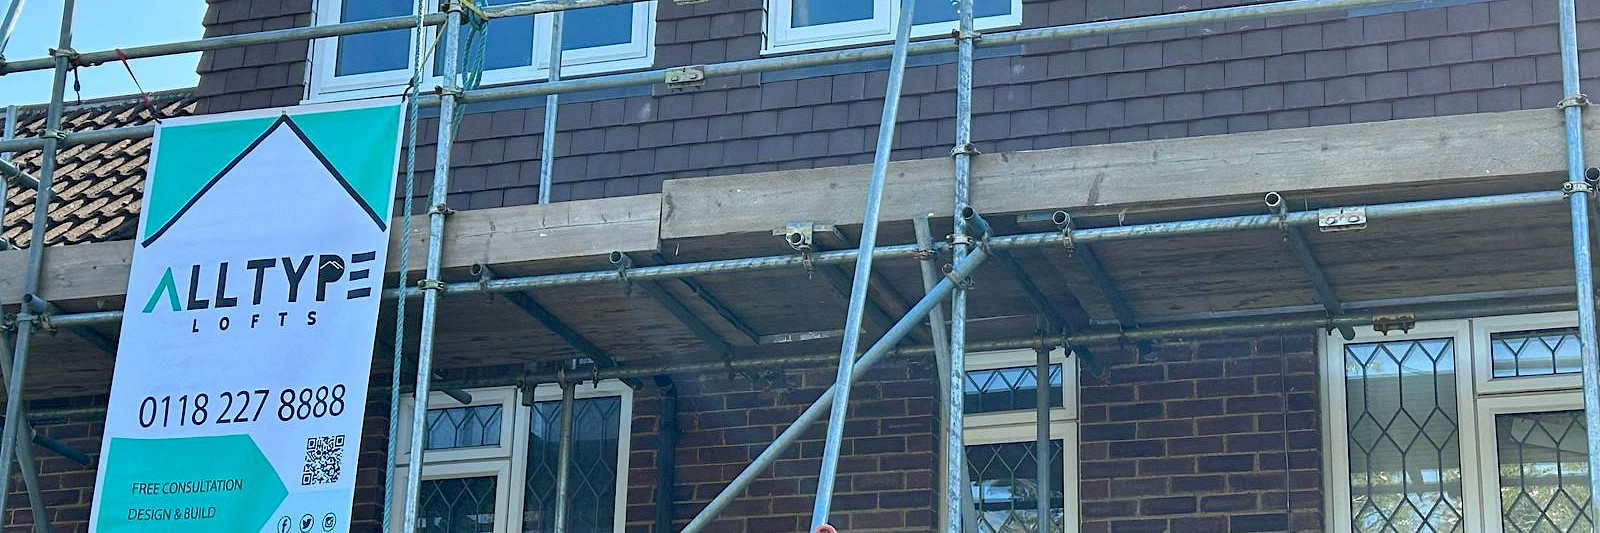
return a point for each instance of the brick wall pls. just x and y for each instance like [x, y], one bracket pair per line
[1212, 437]
[1250, 75]
[885, 479]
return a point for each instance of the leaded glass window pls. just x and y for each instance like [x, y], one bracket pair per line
[1008, 389]
[456, 505]
[1544, 472]
[464, 427]
[1535, 353]
[1005, 486]
[1404, 438]
[596, 426]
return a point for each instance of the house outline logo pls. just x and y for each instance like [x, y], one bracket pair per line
[283, 121]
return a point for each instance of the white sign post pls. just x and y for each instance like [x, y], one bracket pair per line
[247, 336]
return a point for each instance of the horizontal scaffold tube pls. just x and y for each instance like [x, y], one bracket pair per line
[1101, 335]
[1375, 213]
[750, 66]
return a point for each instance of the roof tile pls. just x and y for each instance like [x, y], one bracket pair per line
[98, 186]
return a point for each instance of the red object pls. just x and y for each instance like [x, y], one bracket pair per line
[825, 528]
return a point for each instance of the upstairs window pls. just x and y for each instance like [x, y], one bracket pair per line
[795, 25]
[594, 40]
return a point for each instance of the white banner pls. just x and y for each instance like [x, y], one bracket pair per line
[247, 336]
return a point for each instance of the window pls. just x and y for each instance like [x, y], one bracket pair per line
[490, 466]
[594, 40]
[1002, 451]
[794, 25]
[1467, 425]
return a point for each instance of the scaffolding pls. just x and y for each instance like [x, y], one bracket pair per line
[973, 242]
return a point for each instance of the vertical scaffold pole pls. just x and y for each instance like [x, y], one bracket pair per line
[564, 457]
[552, 106]
[430, 283]
[1041, 426]
[1583, 263]
[5, 182]
[15, 416]
[957, 500]
[858, 285]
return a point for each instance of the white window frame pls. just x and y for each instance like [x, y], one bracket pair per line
[322, 85]
[1019, 426]
[1489, 462]
[1484, 366]
[782, 37]
[1479, 397]
[507, 462]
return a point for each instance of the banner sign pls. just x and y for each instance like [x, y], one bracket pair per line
[247, 336]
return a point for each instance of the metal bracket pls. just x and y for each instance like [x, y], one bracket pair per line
[1402, 322]
[1280, 209]
[966, 149]
[686, 77]
[1064, 226]
[1577, 100]
[623, 263]
[965, 284]
[441, 209]
[958, 35]
[60, 135]
[452, 91]
[69, 53]
[801, 236]
[924, 254]
[1342, 219]
[1569, 187]
[449, 6]
[430, 285]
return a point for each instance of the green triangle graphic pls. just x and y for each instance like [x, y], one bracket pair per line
[359, 143]
[190, 156]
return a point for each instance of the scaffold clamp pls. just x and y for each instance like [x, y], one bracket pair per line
[1401, 322]
[57, 134]
[1063, 222]
[1342, 219]
[1279, 209]
[1576, 100]
[967, 149]
[1570, 187]
[685, 77]
[430, 285]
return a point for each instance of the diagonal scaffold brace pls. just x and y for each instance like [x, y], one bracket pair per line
[863, 271]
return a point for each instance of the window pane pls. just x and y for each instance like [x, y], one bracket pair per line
[593, 467]
[1544, 472]
[464, 427]
[1005, 486]
[1535, 353]
[464, 505]
[1405, 461]
[597, 26]
[509, 43]
[1007, 389]
[815, 12]
[930, 11]
[378, 51]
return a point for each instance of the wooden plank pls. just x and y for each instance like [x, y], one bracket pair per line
[507, 236]
[1141, 175]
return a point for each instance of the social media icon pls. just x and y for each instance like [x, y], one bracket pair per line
[284, 524]
[328, 521]
[306, 522]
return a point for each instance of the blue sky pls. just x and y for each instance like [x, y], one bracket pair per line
[104, 25]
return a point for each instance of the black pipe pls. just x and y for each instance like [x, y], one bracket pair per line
[666, 454]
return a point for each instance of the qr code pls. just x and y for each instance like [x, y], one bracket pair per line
[324, 459]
